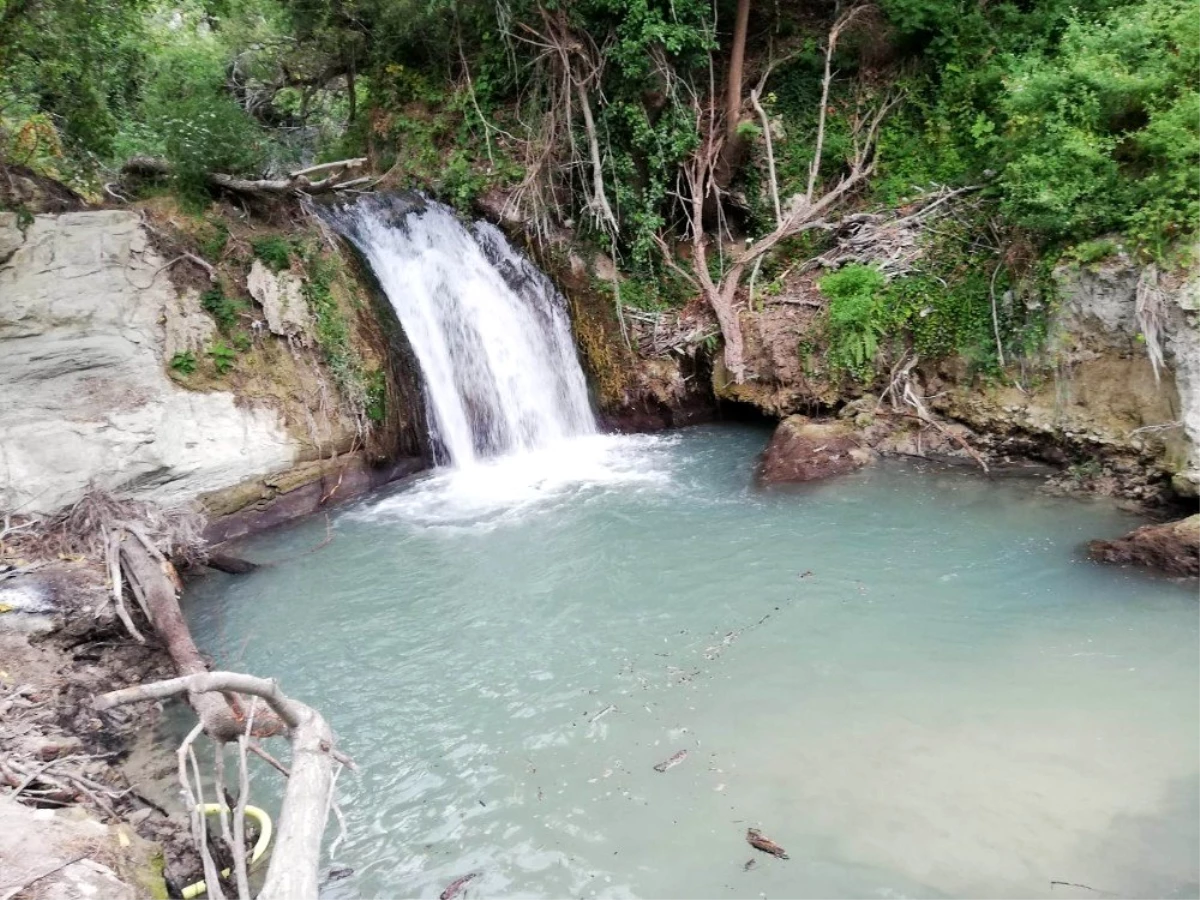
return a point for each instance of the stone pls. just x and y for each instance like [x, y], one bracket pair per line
[102, 862]
[803, 449]
[281, 296]
[1172, 548]
[11, 237]
[85, 312]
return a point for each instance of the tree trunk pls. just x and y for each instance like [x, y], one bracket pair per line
[737, 56]
[733, 153]
[722, 299]
[156, 591]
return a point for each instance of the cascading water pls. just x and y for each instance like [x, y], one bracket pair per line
[489, 329]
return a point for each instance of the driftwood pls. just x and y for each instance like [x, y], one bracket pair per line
[155, 584]
[670, 763]
[296, 183]
[292, 874]
[454, 888]
[759, 841]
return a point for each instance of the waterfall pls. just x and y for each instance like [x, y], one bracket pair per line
[490, 331]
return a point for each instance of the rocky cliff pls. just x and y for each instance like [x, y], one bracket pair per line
[120, 372]
[1090, 402]
[88, 321]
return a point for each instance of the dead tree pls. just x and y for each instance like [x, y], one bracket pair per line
[804, 211]
[292, 874]
[297, 183]
[570, 65]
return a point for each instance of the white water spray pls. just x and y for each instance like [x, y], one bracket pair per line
[489, 329]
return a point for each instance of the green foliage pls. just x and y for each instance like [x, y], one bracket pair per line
[376, 396]
[274, 251]
[652, 293]
[188, 116]
[184, 363]
[75, 61]
[223, 309]
[333, 332]
[213, 237]
[222, 355]
[1079, 114]
[857, 318]
[1089, 252]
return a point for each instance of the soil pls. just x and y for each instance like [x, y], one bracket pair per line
[52, 664]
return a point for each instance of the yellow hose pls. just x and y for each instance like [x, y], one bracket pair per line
[260, 846]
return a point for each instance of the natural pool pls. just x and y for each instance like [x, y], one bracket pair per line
[911, 680]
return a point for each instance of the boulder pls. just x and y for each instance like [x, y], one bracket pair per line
[803, 449]
[281, 296]
[1172, 548]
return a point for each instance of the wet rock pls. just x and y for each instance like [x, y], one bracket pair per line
[1172, 548]
[803, 449]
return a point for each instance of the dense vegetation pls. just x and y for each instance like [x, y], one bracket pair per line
[1076, 118]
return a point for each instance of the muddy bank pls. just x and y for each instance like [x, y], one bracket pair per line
[1172, 548]
[61, 645]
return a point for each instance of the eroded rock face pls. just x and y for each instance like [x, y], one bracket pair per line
[1172, 548]
[802, 449]
[1099, 398]
[86, 317]
[281, 296]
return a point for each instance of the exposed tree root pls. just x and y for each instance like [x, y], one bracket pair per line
[293, 871]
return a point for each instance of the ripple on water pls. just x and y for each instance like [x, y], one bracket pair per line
[911, 681]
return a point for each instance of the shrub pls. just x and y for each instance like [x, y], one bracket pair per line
[274, 251]
[223, 356]
[223, 309]
[184, 363]
[856, 317]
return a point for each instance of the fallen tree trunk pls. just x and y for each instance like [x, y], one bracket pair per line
[296, 183]
[155, 584]
[292, 874]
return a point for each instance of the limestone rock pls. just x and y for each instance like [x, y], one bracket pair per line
[84, 395]
[11, 237]
[103, 862]
[281, 296]
[806, 450]
[1173, 548]
[186, 326]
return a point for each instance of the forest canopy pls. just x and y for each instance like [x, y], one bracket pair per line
[665, 132]
[1082, 115]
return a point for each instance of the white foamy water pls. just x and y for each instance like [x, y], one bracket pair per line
[508, 488]
[490, 331]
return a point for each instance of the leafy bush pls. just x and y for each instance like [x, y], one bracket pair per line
[376, 383]
[184, 363]
[856, 317]
[224, 310]
[1101, 129]
[333, 333]
[273, 250]
[223, 356]
[193, 120]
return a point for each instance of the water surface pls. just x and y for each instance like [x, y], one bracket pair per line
[912, 681]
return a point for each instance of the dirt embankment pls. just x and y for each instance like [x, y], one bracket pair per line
[89, 784]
